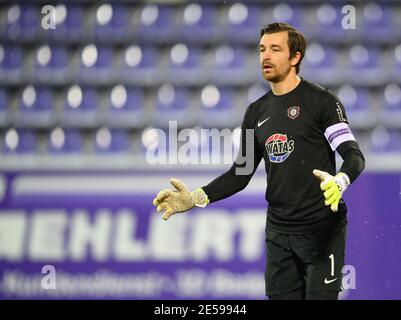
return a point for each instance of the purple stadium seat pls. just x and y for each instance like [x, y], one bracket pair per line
[285, 13]
[81, 106]
[35, 107]
[127, 111]
[23, 22]
[327, 23]
[11, 58]
[355, 99]
[392, 98]
[139, 65]
[197, 23]
[72, 27]
[229, 65]
[319, 64]
[216, 106]
[21, 141]
[185, 65]
[30, 21]
[191, 55]
[357, 103]
[385, 141]
[99, 68]
[377, 23]
[179, 100]
[256, 91]
[319, 57]
[366, 63]
[111, 141]
[363, 57]
[10, 63]
[243, 22]
[51, 64]
[173, 103]
[155, 23]
[390, 114]
[67, 141]
[115, 28]
[154, 142]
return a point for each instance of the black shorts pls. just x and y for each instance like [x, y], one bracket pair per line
[311, 261]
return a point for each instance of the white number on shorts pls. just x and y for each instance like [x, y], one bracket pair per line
[332, 264]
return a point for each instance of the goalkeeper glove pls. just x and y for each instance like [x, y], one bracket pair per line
[333, 187]
[179, 200]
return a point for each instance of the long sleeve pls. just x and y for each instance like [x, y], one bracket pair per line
[354, 161]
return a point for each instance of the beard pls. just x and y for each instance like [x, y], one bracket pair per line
[277, 75]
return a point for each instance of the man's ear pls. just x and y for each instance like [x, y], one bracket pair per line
[295, 59]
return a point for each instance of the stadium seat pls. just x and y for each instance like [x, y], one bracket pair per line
[126, 107]
[11, 62]
[139, 65]
[51, 64]
[242, 23]
[173, 104]
[377, 23]
[256, 91]
[21, 141]
[111, 141]
[154, 142]
[230, 65]
[319, 64]
[70, 23]
[111, 22]
[64, 141]
[325, 23]
[155, 24]
[390, 114]
[358, 106]
[285, 13]
[185, 65]
[23, 22]
[385, 141]
[80, 107]
[96, 64]
[216, 107]
[35, 107]
[197, 23]
[363, 65]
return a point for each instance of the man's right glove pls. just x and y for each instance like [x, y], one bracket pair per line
[179, 200]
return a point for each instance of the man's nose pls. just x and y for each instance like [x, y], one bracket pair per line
[266, 59]
[266, 56]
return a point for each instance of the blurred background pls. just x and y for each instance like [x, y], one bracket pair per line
[83, 101]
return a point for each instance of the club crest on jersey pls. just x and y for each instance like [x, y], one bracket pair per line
[293, 112]
[278, 147]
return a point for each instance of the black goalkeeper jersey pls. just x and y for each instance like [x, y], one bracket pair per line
[294, 133]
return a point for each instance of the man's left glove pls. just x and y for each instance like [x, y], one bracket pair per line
[333, 187]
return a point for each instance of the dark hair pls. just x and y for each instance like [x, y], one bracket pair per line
[296, 40]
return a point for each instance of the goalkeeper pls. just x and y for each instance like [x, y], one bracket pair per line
[296, 128]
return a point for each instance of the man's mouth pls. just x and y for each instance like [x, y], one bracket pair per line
[267, 67]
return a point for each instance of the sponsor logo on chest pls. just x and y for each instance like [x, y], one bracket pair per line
[279, 147]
